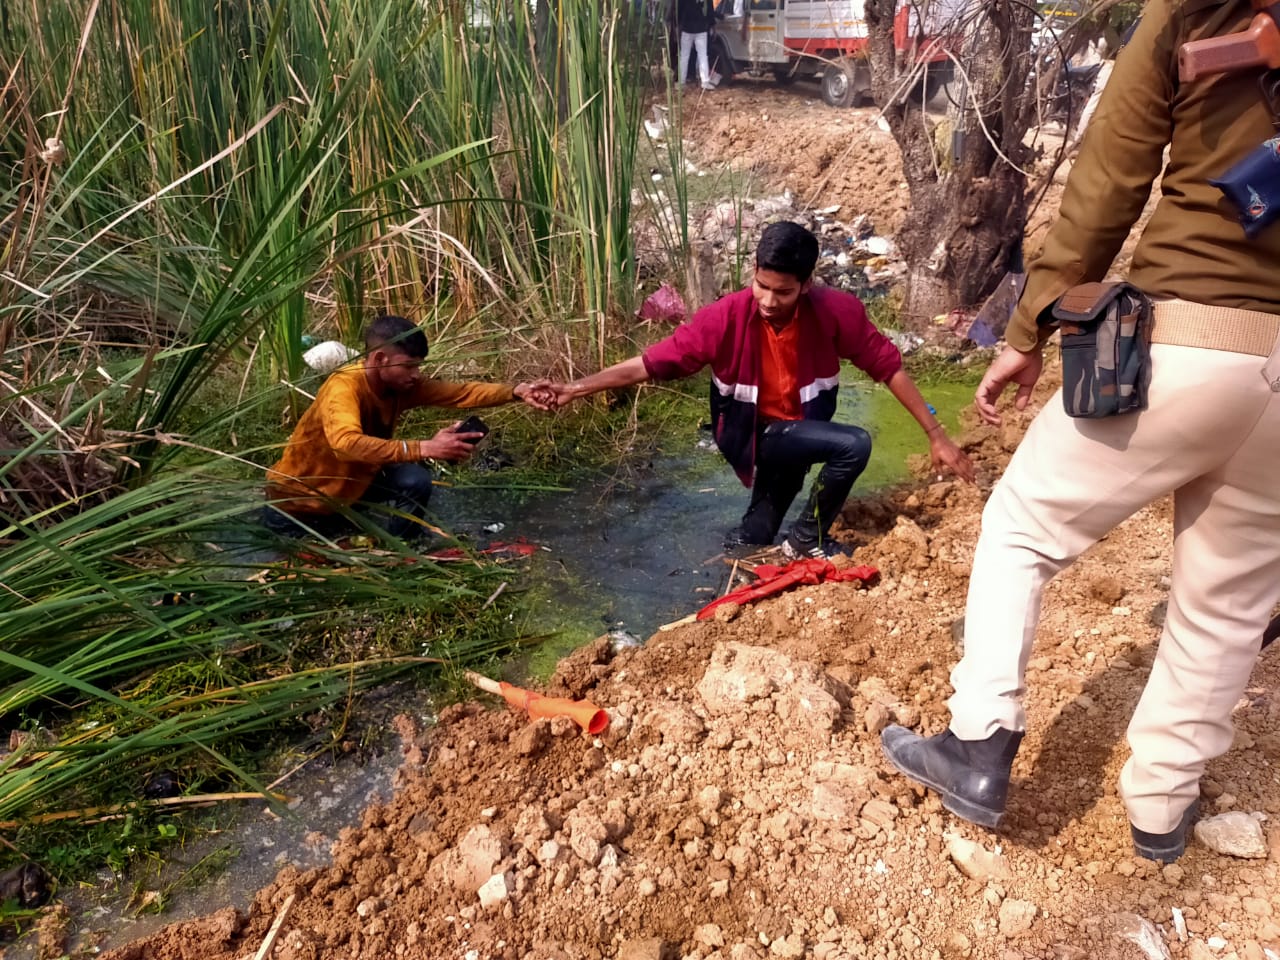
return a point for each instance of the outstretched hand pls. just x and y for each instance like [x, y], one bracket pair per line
[538, 394]
[564, 395]
[1011, 366]
[945, 453]
[548, 395]
[450, 445]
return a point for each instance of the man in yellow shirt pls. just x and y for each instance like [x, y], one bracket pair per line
[342, 453]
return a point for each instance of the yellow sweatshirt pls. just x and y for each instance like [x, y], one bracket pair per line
[344, 437]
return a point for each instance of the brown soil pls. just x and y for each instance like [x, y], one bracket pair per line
[738, 806]
[827, 157]
[795, 142]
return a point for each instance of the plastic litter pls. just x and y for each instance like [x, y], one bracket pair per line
[328, 356]
[664, 305]
[621, 639]
[584, 713]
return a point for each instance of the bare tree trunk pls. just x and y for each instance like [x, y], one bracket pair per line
[968, 206]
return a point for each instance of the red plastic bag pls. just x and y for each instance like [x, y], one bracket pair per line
[664, 305]
[774, 579]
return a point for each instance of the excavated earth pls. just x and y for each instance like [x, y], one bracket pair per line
[738, 808]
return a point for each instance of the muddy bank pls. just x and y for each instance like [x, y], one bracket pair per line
[738, 806]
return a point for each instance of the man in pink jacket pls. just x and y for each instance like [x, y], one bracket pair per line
[774, 350]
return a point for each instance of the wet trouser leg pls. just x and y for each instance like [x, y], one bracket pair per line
[1068, 484]
[776, 485]
[328, 525]
[397, 499]
[785, 451]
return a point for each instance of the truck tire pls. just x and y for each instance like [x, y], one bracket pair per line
[720, 60]
[839, 83]
[942, 90]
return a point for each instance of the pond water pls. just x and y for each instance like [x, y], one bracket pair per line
[651, 550]
[614, 556]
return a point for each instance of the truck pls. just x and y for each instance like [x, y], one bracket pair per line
[826, 40]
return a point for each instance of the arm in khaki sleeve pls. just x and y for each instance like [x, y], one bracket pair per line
[1121, 155]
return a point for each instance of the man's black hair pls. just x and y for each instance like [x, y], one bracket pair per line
[395, 332]
[789, 248]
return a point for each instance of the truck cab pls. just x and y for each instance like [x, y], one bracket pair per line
[825, 40]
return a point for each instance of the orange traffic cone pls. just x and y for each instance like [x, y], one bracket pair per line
[582, 712]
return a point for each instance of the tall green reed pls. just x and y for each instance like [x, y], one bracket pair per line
[222, 178]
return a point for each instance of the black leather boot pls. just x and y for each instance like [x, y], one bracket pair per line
[1269, 635]
[971, 776]
[1165, 847]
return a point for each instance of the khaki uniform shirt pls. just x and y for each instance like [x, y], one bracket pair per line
[344, 438]
[1193, 248]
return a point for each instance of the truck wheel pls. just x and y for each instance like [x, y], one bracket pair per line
[720, 60]
[838, 83]
[942, 90]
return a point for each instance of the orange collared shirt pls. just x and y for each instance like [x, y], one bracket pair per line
[778, 393]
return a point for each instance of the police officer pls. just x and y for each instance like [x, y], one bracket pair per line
[1210, 436]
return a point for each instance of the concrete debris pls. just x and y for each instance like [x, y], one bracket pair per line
[1235, 834]
[1140, 931]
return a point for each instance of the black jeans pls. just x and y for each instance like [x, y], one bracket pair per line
[785, 450]
[396, 499]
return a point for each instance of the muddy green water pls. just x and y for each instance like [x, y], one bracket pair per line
[623, 557]
[651, 550]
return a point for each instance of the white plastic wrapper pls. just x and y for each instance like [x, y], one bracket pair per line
[329, 356]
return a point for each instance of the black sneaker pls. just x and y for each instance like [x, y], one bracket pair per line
[813, 551]
[737, 537]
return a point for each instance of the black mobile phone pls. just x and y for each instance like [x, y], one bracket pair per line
[473, 424]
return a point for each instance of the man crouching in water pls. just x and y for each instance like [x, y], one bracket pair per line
[341, 453]
[774, 350]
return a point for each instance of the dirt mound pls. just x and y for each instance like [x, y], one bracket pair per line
[738, 806]
[826, 157]
[829, 157]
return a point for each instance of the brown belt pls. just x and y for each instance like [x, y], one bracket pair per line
[1180, 323]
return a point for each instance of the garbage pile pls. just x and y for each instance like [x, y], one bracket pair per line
[852, 256]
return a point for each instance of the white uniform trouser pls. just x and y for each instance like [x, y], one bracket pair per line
[1211, 436]
[696, 41]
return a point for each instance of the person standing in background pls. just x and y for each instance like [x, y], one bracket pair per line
[695, 18]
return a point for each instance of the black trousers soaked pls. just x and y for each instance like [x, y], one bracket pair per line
[785, 450]
[396, 500]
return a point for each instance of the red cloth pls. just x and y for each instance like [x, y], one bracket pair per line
[774, 579]
[517, 548]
